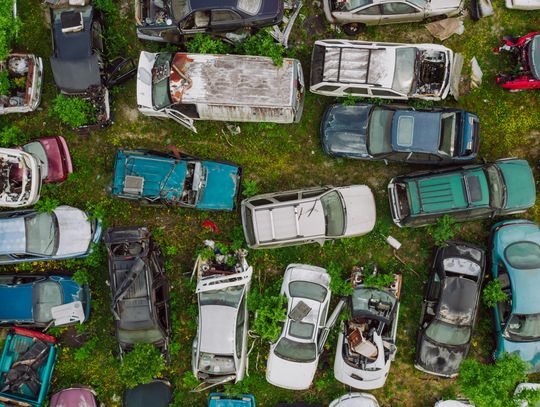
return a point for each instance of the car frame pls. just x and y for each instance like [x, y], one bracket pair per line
[458, 270]
[435, 136]
[19, 66]
[263, 215]
[20, 175]
[469, 192]
[139, 289]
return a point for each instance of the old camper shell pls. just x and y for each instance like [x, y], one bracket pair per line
[187, 87]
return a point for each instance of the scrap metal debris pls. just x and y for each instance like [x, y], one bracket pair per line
[444, 29]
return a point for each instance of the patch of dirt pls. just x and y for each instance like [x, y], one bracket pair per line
[130, 113]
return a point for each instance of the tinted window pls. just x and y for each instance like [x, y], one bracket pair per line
[41, 233]
[302, 330]
[523, 255]
[229, 296]
[46, 294]
[305, 289]
[397, 8]
[448, 334]
[372, 11]
[327, 88]
[356, 91]
[333, 214]
[296, 351]
[222, 16]
[377, 92]
[380, 131]
[524, 327]
[448, 133]
[404, 76]
[286, 197]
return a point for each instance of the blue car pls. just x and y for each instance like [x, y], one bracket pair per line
[400, 133]
[27, 299]
[222, 400]
[160, 178]
[515, 262]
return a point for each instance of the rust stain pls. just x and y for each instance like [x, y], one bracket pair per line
[179, 80]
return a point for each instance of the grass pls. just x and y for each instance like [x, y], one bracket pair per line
[274, 157]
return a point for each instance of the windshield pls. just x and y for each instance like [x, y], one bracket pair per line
[229, 296]
[448, 133]
[305, 289]
[534, 56]
[523, 255]
[41, 233]
[334, 214]
[46, 294]
[161, 71]
[296, 351]
[524, 327]
[444, 333]
[380, 131]
[404, 74]
[496, 187]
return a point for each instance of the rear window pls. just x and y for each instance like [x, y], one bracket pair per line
[523, 255]
[306, 289]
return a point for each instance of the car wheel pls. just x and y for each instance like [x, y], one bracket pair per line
[354, 29]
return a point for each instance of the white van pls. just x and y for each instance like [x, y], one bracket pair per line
[187, 87]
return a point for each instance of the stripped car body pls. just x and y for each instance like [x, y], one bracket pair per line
[75, 397]
[400, 133]
[449, 309]
[29, 235]
[187, 87]
[186, 181]
[29, 67]
[139, 288]
[384, 70]
[311, 215]
[355, 400]
[30, 299]
[470, 192]
[219, 352]
[20, 178]
[366, 344]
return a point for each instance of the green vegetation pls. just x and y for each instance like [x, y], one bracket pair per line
[263, 44]
[205, 44]
[269, 312]
[11, 136]
[73, 111]
[144, 363]
[493, 294]
[444, 230]
[5, 83]
[338, 284]
[8, 28]
[249, 188]
[46, 205]
[379, 280]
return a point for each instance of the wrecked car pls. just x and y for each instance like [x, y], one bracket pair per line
[20, 178]
[63, 233]
[80, 68]
[26, 367]
[400, 133]
[526, 57]
[187, 87]
[35, 300]
[523, 4]
[173, 179]
[311, 215]
[226, 400]
[355, 400]
[453, 403]
[449, 309]
[139, 288]
[355, 15]
[515, 263]
[169, 20]
[465, 193]
[219, 352]
[383, 70]
[366, 344]
[25, 74]
[54, 158]
[75, 397]
[157, 393]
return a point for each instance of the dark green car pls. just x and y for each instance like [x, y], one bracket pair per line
[466, 193]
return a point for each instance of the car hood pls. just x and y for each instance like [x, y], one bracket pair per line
[439, 359]
[17, 302]
[56, 156]
[217, 329]
[360, 209]
[527, 351]
[288, 374]
[76, 75]
[435, 5]
[144, 79]
[344, 130]
[221, 187]
[520, 186]
[76, 397]
[74, 231]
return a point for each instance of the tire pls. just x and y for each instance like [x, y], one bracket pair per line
[354, 29]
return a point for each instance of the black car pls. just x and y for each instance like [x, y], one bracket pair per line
[78, 63]
[168, 20]
[400, 133]
[140, 291]
[157, 393]
[449, 309]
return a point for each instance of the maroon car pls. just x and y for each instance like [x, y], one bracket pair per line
[74, 397]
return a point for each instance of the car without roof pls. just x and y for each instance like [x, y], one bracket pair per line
[307, 216]
[139, 288]
[384, 70]
[515, 263]
[355, 15]
[152, 177]
[465, 193]
[366, 344]
[26, 98]
[20, 178]
[400, 133]
[293, 358]
[29, 235]
[54, 158]
[449, 309]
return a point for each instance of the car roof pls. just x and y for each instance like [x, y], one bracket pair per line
[72, 45]
[520, 184]
[217, 329]
[17, 302]
[416, 131]
[12, 235]
[457, 305]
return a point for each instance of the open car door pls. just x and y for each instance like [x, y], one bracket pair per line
[455, 75]
[181, 118]
[120, 70]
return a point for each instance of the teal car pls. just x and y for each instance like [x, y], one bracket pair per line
[222, 400]
[515, 263]
[179, 180]
[465, 193]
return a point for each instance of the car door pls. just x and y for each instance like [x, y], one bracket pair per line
[400, 12]
[370, 15]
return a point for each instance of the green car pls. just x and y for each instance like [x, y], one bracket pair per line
[466, 193]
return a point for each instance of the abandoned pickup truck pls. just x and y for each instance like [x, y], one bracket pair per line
[384, 70]
[167, 179]
[187, 87]
[25, 74]
[466, 193]
[307, 216]
[219, 352]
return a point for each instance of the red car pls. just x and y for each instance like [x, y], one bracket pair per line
[526, 51]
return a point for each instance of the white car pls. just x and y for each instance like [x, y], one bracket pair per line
[293, 359]
[452, 403]
[523, 4]
[526, 386]
[20, 178]
[354, 15]
[366, 344]
[355, 400]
